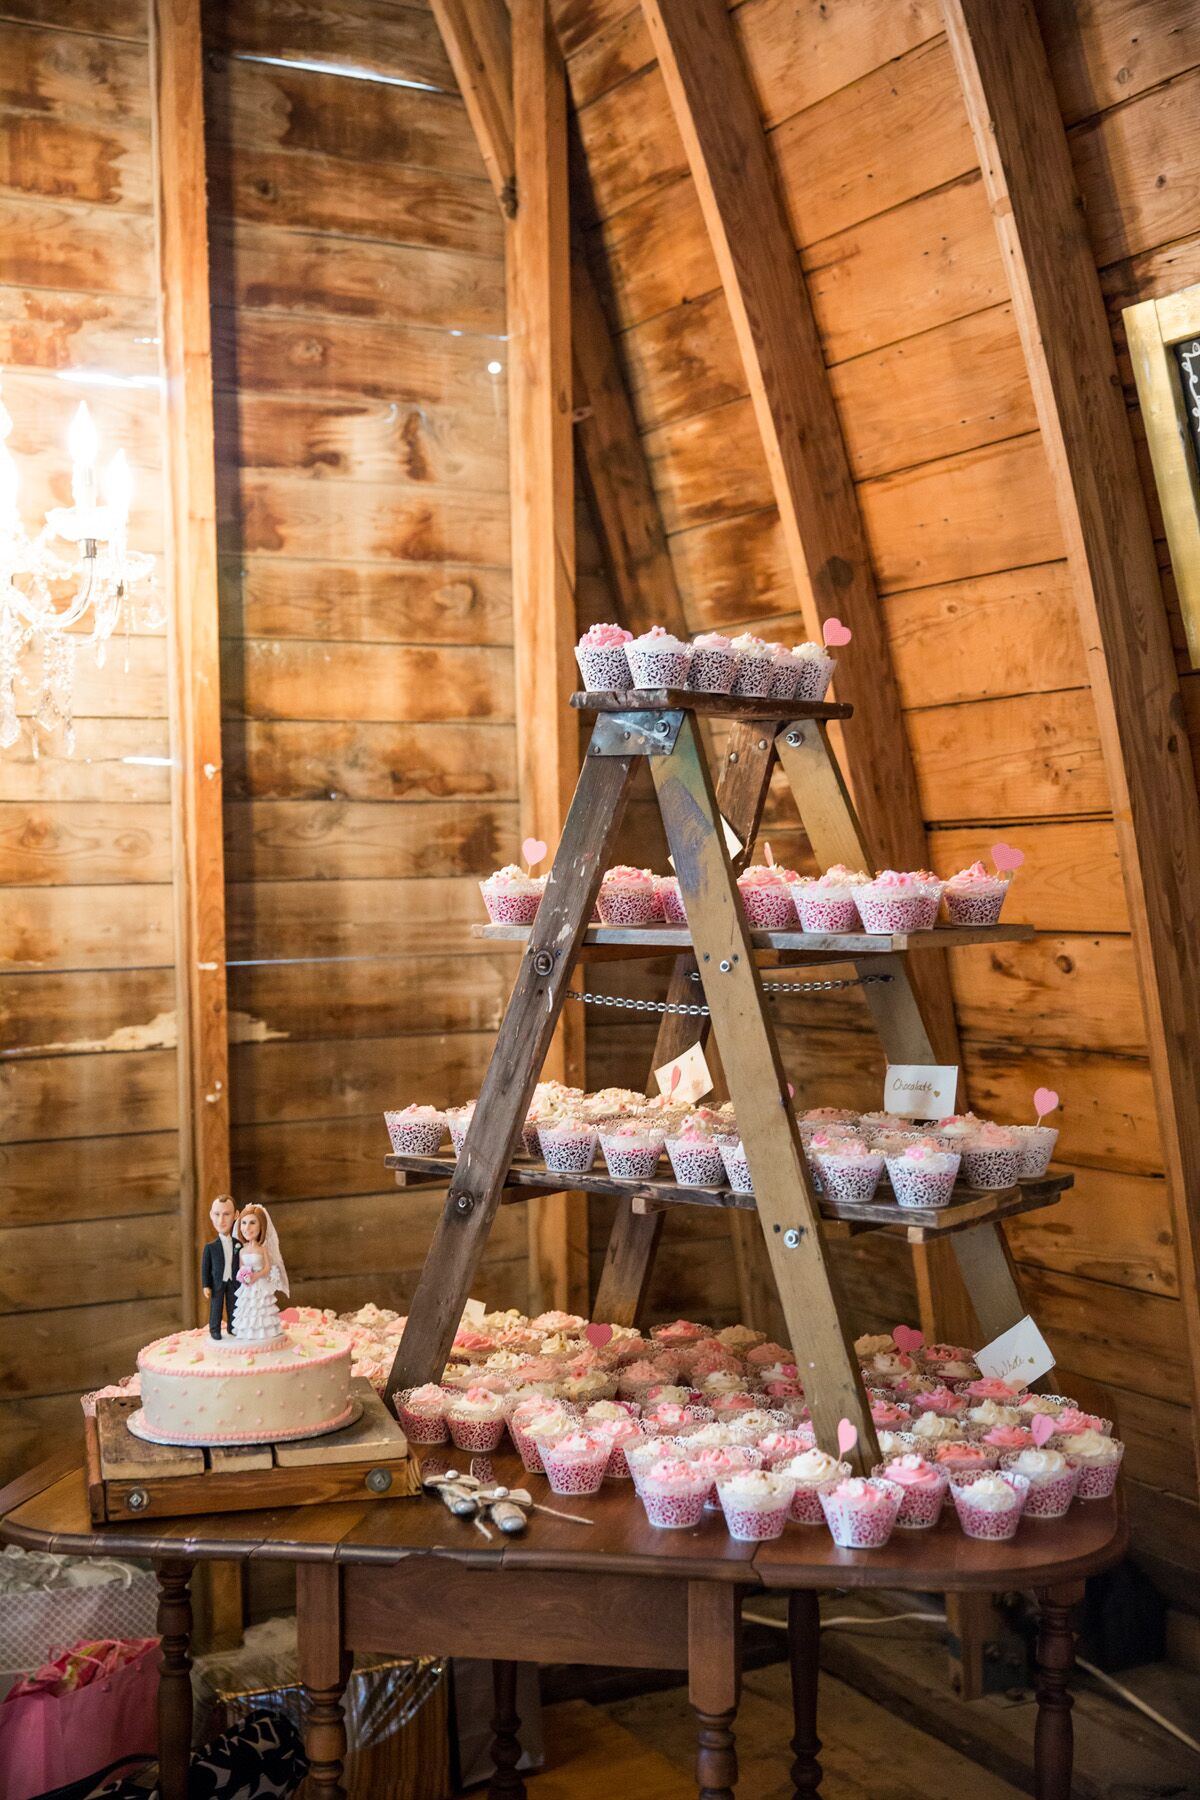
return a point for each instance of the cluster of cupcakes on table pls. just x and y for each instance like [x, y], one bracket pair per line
[775, 898]
[847, 1152]
[612, 659]
[703, 1421]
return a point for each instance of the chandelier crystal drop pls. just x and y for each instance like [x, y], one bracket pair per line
[46, 589]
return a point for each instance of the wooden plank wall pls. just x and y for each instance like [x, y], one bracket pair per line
[880, 179]
[89, 1160]
[358, 293]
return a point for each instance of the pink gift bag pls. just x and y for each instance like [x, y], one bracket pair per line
[85, 1710]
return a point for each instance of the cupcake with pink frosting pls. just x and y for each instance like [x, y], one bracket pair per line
[811, 1470]
[671, 900]
[631, 1149]
[416, 1130]
[755, 1503]
[620, 1435]
[850, 1169]
[673, 1491]
[991, 1157]
[476, 1419]
[826, 902]
[1097, 1458]
[974, 896]
[767, 897]
[989, 1502]
[575, 1464]
[659, 660]
[512, 896]
[923, 1173]
[861, 1511]
[755, 665]
[422, 1413]
[629, 896]
[899, 900]
[714, 664]
[721, 1460]
[602, 660]
[923, 1488]
[695, 1156]
[1002, 1438]
[969, 1454]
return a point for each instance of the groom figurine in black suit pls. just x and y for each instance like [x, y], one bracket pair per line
[219, 1265]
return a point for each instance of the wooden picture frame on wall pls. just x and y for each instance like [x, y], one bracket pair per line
[1164, 342]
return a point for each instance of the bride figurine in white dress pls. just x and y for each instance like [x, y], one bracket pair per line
[260, 1274]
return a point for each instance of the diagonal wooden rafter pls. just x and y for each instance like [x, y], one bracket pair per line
[1026, 166]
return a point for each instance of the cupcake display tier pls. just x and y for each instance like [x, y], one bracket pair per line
[968, 1206]
[723, 706]
[798, 946]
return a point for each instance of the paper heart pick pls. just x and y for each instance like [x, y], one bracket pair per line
[1042, 1428]
[791, 1090]
[676, 1077]
[533, 851]
[1045, 1100]
[835, 633]
[598, 1335]
[1007, 856]
[907, 1337]
[847, 1437]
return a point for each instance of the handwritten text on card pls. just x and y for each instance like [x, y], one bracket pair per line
[920, 1090]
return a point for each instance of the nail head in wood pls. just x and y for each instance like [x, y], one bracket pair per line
[792, 1239]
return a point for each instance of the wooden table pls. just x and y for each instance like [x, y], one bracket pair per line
[405, 1577]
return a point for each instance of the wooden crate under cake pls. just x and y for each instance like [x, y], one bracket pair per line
[130, 1479]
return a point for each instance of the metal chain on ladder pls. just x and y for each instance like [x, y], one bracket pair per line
[692, 1011]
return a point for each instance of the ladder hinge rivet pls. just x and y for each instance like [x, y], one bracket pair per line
[725, 967]
[793, 738]
[792, 1239]
[464, 1203]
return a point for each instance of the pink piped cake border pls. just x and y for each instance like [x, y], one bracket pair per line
[346, 1417]
[229, 1373]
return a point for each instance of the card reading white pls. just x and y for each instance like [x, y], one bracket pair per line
[1018, 1355]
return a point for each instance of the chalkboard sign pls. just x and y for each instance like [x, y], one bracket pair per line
[1187, 357]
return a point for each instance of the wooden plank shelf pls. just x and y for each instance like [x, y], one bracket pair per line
[969, 1206]
[842, 946]
[716, 706]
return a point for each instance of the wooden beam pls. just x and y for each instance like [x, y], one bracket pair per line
[542, 483]
[199, 870]
[1039, 221]
[478, 40]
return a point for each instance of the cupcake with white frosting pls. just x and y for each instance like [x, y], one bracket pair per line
[1052, 1480]
[989, 1502]
[512, 896]
[755, 1503]
[659, 660]
[1097, 1458]
[811, 1470]
[814, 671]
[714, 664]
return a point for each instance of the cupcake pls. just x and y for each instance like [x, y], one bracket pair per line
[695, 1157]
[861, 1513]
[974, 897]
[767, 898]
[755, 664]
[1008, 1437]
[631, 1149]
[1070, 1419]
[720, 1460]
[476, 1419]
[671, 900]
[831, 1115]
[416, 1131]
[899, 900]
[1037, 1147]
[755, 1503]
[781, 1445]
[935, 1428]
[621, 1435]
[991, 1157]
[953, 1132]
[458, 1118]
[814, 667]
[941, 1400]
[602, 661]
[737, 1167]
[965, 1455]
[535, 1430]
[989, 1504]
[785, 674]
[714, 664]
[1097, 1458]
[923, 1488]
[511, 896]
[889, 1413]
[575, 1464]
[923, 1173]
[629, 897]
[422, 1413]
[811, 1470]
[850, 1170]
[1006, 1393]
[658, 660]
[673, 1492]
[1052, 1480]
[826, 902]
[900, 1443]
[873, 1343]
[986, 1413]
[568, 1144]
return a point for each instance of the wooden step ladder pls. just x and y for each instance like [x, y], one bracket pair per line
[663, 727]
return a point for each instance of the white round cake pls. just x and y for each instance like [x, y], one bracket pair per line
[198, 1390]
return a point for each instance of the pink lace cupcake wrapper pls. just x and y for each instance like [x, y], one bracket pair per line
[480, 1435]
[974, 909]
[753, 1524]
[672, 1511]
[511, 909]
[1097, 1480]
[628, 905]
[578, 1476]
[820, 914]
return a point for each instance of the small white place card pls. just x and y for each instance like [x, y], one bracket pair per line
[920, 1090]
[1019, 1354]
[473, 1312]
[691, 1083]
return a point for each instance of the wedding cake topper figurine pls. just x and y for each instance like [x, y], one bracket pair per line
[219, 1264]
[260, 1275]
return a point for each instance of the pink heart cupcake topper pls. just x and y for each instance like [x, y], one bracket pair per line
[598, 1335]
[1042, 1428]
[533, 851]
[1045, 1100]
[835, 634]
[1006, 856]
[847, 1435]
[907, 1337]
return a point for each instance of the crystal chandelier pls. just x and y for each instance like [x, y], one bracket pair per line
[46, 591]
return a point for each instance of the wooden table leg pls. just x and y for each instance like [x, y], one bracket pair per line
[714, 1683]
[324, 1671]
[175, 1678]
[1053, 1737]
[804, 1656]
[505, 1784]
